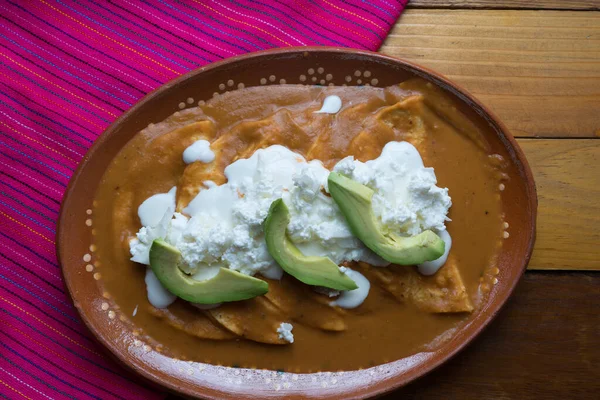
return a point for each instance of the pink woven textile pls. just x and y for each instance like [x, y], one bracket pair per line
[68, 69]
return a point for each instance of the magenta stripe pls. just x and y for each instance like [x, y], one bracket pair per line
[73, 82]
[27, 386]
[23, 245]
[43, 309]
[156, 33]
[42, 156]
[64, 149]
[25, 187]
[83, 52]
[345, 37]
[117, 380]
[64, 373]
[48, 274]
[72, 352]
[25, 373]
[39, 43]
[39, 368]
[33, 274]
[11, 192]
[143, 37]
[269, 12]
[10, 158]
[41, 112]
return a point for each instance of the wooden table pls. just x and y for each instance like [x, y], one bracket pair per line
[536, 64]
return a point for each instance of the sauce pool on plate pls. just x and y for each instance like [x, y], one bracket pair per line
[403, 312]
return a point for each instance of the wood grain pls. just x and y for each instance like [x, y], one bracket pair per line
[544, 345]
[567, 176]
[538, 70]
[509, 4]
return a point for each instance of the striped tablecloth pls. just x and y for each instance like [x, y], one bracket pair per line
[67, 70]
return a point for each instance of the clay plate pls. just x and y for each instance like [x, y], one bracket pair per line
[316, 65]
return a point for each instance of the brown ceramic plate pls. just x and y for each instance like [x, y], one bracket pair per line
[293, 65]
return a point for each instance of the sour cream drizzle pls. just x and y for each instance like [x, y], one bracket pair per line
[198, 151]
[331, 105]
[154, 207]
[431, 267]
[158, 296]
[353, 298]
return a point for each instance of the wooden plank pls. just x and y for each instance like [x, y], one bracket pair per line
[509, 4]
[567, 176]
[544, 345]
[538, 70]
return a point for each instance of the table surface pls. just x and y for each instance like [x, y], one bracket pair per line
[536, 64]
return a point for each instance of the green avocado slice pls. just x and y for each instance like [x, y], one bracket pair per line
[227, 285]
[318, 271]
[354, 200]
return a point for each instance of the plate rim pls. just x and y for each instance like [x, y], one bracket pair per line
[393, 382]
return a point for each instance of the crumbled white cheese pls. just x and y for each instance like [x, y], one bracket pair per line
[169, 228]
[139, 247]
[285, 332]
[198, 151]
[226, 221]
[155, 214]
[406, 199]
[176, 228]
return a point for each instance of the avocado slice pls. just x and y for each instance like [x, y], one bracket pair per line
[227, 285]
[318, 271]
[354, 200]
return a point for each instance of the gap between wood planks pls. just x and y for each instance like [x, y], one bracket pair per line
[508, 4]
